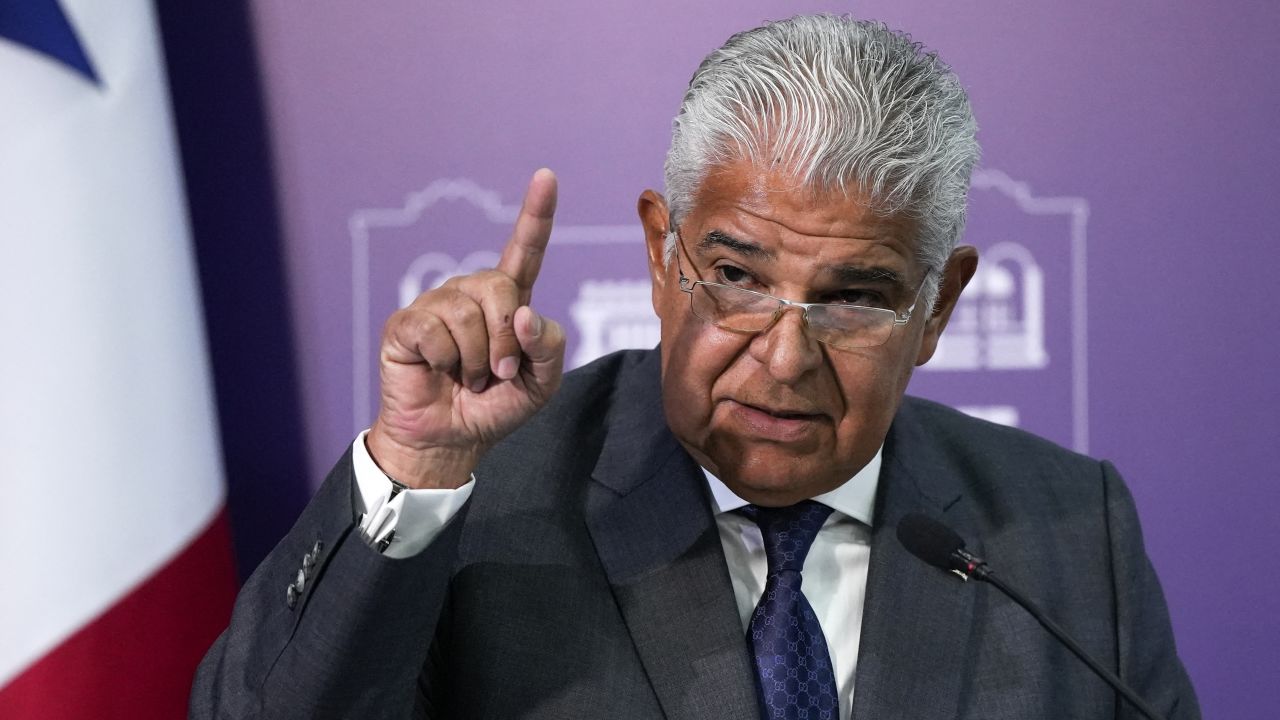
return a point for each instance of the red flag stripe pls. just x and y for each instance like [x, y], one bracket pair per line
[137, 659]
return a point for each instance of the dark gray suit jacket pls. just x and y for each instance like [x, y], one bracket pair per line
[585, 579]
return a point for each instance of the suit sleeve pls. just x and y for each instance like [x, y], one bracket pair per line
[351, 644]
[1148, 657]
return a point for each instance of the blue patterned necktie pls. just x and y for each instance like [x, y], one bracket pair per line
[793, 665]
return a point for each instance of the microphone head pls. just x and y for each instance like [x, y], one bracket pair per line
[929, 540]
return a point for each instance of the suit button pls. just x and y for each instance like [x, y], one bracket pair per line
[301, 582]
[315, 549]
[291, 597]
[308, 561]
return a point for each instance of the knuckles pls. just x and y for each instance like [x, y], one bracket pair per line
[480, 284]
[470, 298]
[466, 311]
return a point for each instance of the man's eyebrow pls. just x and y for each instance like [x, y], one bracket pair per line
[716, 238]
[854, 274]
[845, 274]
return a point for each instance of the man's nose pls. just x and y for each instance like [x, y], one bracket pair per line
[786, 347]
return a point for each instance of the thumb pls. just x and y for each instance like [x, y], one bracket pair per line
[542, 341]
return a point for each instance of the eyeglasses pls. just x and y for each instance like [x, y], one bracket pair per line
[849, 327]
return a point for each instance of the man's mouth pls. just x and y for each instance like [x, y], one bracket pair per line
[784, 414]
[772, 423]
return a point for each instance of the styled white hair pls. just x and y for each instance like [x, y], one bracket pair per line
[842, 104]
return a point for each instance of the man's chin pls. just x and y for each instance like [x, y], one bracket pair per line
[777, 494]
[775, 484]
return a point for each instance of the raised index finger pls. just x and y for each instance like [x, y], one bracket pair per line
[522, 257]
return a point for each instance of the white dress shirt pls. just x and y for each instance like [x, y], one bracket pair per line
[416, 516]
[835, 571]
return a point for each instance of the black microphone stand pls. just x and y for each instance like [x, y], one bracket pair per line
[982, 572]
[940, 546]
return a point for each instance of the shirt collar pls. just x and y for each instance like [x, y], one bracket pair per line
[855, 498]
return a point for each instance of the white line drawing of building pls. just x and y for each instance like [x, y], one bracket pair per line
[998, 323]
[1016, 340]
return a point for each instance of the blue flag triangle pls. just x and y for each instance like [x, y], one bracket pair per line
[42, 26]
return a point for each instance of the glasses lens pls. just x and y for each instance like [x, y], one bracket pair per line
[850, 327]
[733, 308]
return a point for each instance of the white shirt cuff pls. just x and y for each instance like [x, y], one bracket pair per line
[415, 517]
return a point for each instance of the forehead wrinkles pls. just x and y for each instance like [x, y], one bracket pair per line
[774, 196]
[797, 224]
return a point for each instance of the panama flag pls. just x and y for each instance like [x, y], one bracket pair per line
[115, 559]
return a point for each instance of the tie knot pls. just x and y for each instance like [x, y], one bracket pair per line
[788, 531]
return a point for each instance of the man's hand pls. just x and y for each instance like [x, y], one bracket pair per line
[469, 362]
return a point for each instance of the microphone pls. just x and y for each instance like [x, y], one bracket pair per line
[941, 547]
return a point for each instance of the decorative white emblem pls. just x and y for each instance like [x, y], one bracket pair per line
[999, 321]
[999, 324]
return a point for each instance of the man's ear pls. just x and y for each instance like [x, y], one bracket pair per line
[654, 215]
[955, 276]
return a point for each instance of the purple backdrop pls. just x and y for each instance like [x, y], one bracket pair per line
[1122, 309]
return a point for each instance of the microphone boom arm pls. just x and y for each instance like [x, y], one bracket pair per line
[981, 571]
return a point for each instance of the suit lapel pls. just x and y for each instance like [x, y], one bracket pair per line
[917, 619]
[653, 530]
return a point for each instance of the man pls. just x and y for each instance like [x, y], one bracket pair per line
[706, 530]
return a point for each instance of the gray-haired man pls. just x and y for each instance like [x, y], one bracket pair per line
[705, 530]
